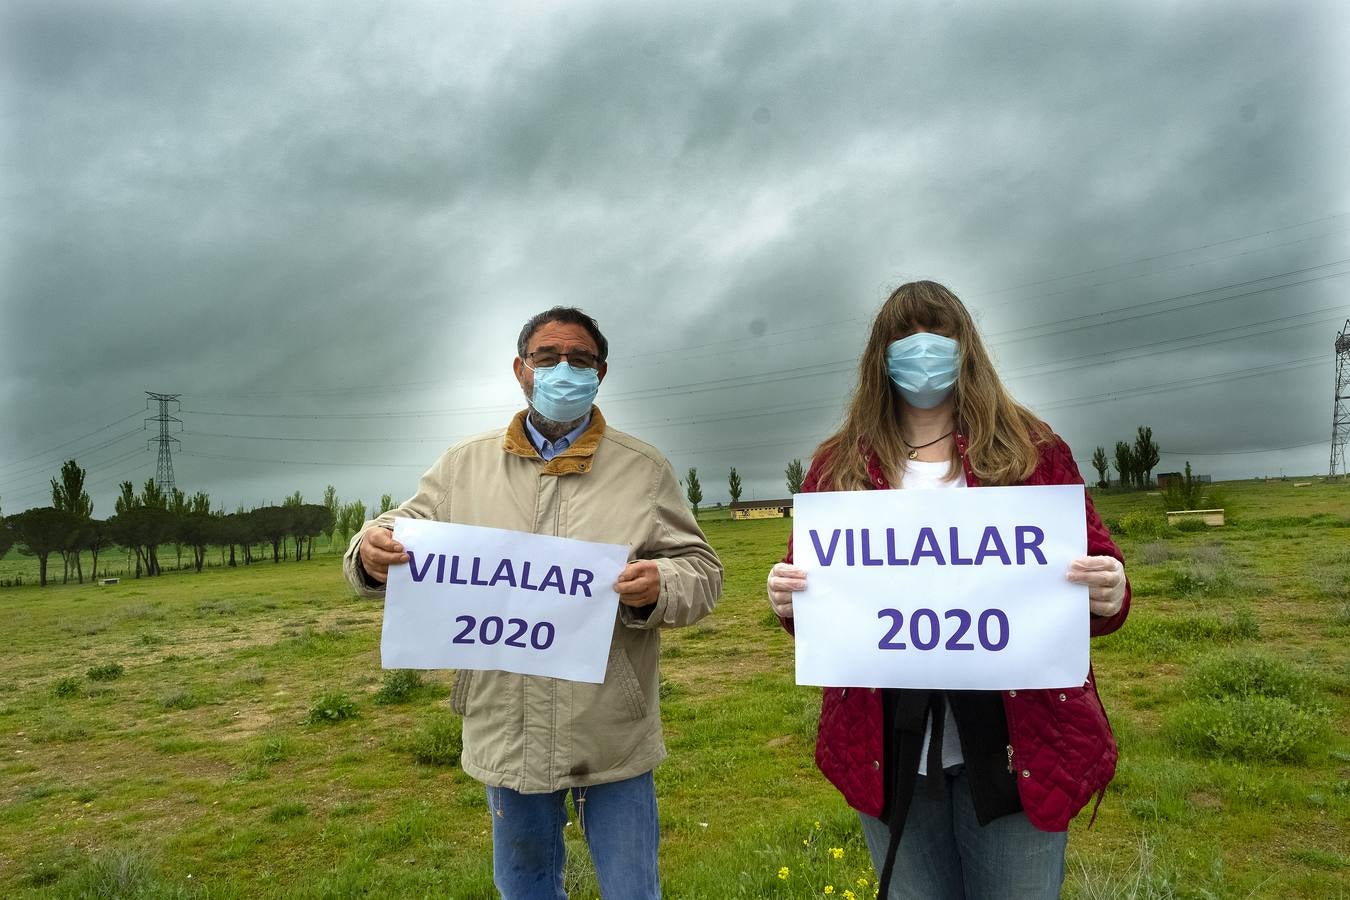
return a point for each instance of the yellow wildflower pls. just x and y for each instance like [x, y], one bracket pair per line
[837, 852]
[817, 826]
[784, 872]
[829, 889]
[849, 895]
[862, 882]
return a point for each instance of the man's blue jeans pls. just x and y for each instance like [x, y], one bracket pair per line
[945, 854]
[618, 819]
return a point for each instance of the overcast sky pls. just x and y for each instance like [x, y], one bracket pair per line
[323, 225]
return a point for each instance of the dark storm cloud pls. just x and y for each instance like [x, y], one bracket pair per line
[264, 206]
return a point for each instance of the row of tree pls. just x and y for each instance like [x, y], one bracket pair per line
[1134, 465]
[1134, 462]
[693, 489]
[145, 522]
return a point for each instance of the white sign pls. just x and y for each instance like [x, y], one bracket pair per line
[486, 598]
[941, 589]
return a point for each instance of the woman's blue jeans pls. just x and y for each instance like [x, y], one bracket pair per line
[618, 820]
[946, 854]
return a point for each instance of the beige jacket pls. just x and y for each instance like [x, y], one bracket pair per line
[535, 734]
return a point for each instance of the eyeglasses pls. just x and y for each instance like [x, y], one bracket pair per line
[545, 357]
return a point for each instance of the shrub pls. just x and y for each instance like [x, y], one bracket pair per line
[271, 750]
[1155, 553]
[66, 687]
[400, 686]
[182, 698]
[1188, 492]
[1142, 524]
[1190, 525]
[1199, 581]
[439, 742]
[105, 672]
[1251, 728]
[330, 708]
[1230, 674]
[283, 812]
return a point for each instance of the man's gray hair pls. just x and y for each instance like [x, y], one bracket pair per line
[569, 315]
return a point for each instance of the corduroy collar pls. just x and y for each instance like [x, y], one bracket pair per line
[576, 459]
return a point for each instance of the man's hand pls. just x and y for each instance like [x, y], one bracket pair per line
[784, 579]
[379, 551]
[639, 583]
[1105, 580]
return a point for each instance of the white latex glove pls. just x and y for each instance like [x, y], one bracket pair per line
[784, 578]
[1105, 580]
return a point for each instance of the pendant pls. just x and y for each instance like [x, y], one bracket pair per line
[913, 454]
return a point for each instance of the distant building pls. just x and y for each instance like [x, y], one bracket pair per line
[762, 509]
[1166, 478]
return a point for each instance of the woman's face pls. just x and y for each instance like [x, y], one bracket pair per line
[923, 364]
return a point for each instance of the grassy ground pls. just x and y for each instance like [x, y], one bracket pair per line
[155, 737]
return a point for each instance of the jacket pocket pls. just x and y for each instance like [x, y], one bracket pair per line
[626, 681]
[459, 694]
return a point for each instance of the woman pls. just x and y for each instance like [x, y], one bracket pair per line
[960, 793]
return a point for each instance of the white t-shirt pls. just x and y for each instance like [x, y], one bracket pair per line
[919, 474]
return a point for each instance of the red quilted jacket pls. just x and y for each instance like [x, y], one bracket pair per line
[1060, 742]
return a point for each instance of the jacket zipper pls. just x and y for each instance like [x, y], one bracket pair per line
[1011, 770]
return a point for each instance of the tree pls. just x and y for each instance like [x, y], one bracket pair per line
[155, 529]
[386, 503]
[70, 497]
[42, 530]
[334, 507]
[734, 485]
[178, 505]
[125, 502]
[6, 536]
[353, 517]
[1102, 465]
[1145, 455]
[311, 520]
[238, 530]
[693, 490]
[795, 476]
[142, 529]
[272, 524]
[97, 537]
[197, 527]
[1124, 463]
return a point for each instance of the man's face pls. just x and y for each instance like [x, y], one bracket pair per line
[560, 337]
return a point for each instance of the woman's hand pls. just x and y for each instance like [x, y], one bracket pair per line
[784, 579]
[1105, 580]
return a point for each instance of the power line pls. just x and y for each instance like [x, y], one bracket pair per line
[101, 468]
[1201, 381]
[1153, 258]
[301, 462]
[318, 440]
[72, 440]
[1238, 452]
[27, 472]
[781, 375]
[813, 331]
[1083, 361]
[1095, 320]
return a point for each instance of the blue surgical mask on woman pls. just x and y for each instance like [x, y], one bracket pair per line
[562, 393]
[923, 366]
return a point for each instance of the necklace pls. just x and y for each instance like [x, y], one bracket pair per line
[915, 448]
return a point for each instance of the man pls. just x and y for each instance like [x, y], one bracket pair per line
[558, 469]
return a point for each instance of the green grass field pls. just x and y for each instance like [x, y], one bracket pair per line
[222, 734]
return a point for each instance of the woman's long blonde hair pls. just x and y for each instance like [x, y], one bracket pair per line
[1002, 435]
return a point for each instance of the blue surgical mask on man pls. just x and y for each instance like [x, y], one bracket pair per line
[923, 366]
[562, 393]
